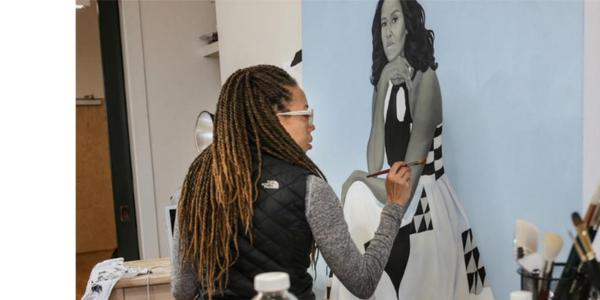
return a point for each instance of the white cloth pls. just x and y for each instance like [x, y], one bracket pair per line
[105, 275]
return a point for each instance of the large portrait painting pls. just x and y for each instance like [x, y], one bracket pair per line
[435, 254]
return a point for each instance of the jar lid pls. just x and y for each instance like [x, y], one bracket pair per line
[271, 282]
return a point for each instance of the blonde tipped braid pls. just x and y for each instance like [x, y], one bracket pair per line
[218, 192]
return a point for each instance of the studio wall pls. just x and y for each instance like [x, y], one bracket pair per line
[511, 76]
[168, 82]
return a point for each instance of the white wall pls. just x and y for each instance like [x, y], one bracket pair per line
[168, 82]
[591, 96]
[591, 104]
[257, 32]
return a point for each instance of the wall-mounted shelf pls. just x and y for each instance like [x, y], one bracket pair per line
[210, 50]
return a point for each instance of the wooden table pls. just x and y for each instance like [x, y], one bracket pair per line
[157, 284]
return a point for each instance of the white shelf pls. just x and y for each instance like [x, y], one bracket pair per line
[210, 50]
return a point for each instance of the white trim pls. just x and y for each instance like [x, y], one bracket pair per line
[139, 128]
[591, 99]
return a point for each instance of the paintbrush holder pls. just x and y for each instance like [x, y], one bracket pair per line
[540, 287]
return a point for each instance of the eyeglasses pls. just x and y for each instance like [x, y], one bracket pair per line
[309, 112]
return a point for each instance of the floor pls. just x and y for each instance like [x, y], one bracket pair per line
[85, 262]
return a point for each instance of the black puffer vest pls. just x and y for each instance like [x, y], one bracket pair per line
[282, 236]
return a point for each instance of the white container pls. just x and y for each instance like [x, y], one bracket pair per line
[521, 295]
[273, 286]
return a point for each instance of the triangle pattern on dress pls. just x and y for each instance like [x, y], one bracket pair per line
[464, 240]
[468, 246]
[481, 273]
[473, 288]
[476, 256]
[470, 278]
[479, 285]
[423, 226]
[417, 222]
[419, 208]
[472, 266]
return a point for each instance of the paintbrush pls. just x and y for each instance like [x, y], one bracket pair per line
[569, 279]
[577, 247]
[410, 164]
[526, 238]
[592, 208]
[552, 245]
[583, 236]
[594, 220]
[580, 252]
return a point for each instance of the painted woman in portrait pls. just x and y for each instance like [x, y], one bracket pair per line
[434, 255]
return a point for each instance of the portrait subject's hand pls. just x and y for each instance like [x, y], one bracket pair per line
[397, 184]
[398, 71]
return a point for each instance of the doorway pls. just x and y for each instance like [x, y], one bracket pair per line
[105, 210]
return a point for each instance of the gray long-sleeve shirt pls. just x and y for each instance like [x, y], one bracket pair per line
[359, 273]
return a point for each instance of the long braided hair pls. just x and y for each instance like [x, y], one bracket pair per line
[218, 192]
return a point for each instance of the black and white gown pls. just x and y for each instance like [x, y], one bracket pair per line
[434, 255]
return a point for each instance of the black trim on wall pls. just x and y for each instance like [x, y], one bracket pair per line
[118, 131]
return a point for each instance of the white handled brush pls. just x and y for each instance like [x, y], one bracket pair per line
[552, 245]
[526, 238]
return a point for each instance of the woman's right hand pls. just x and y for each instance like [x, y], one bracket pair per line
[397, 184]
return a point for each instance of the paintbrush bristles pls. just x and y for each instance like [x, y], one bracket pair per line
[552, 245]
[526, 236]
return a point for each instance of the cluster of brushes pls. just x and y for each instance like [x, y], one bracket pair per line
[536, 265]
[581, 270]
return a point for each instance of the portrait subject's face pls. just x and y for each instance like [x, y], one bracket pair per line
[393, 31]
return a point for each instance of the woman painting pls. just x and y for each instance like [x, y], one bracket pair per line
[435, 246]
[254, 202]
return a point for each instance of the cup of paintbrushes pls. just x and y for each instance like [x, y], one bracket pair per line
[410, 164]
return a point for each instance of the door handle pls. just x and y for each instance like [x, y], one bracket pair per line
[124, 213]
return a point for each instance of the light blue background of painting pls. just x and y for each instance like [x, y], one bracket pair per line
[511, 80]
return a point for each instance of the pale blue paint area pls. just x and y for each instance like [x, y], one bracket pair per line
[336, 65]
[511, 79]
